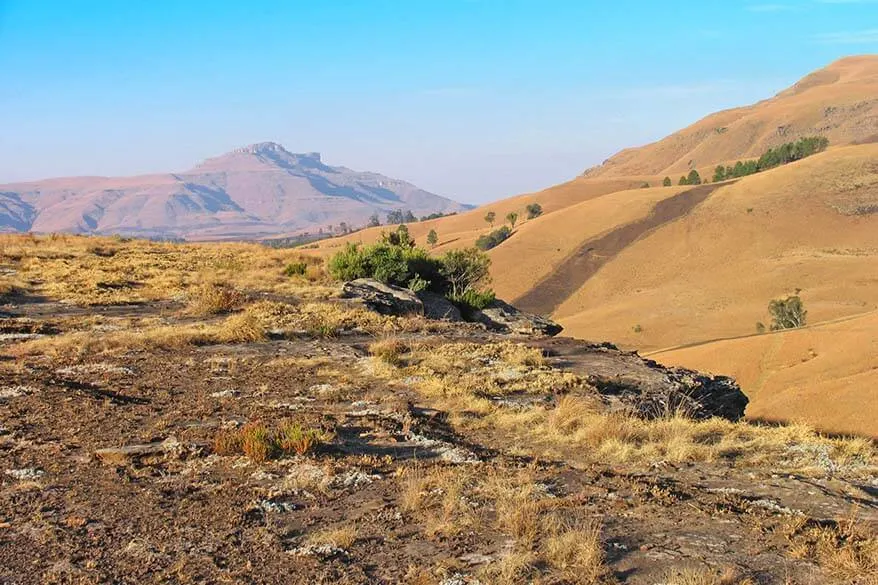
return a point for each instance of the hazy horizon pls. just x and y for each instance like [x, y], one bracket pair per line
[473, 100]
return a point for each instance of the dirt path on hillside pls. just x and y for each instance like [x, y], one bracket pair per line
[573, 272]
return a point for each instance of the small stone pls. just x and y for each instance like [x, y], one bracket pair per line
[26, 473]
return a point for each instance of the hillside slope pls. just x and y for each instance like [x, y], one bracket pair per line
[839, 102]
[257, 190]
[826, 374]
[463, 229]
[711, 273]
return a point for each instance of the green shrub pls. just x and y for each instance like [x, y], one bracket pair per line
[393, 264]
[471, 300]
[534, 210]
[492, 240]
[296, 268]
[465, 270]
[787, 313]
[666, 182]
[461, 276]
[350, 264]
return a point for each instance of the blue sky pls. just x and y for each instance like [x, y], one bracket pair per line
[474, 99]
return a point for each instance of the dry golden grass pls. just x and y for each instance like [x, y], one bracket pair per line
[103, 270]
[464, 378]
[389, 350]
[550, 540]
[316, 319]
[847, 550]
[514, 568]
[437, 495]
[690, 576]
[467, 370]
[260, 443]
[213, 299]
[341, 537]
[575, 550]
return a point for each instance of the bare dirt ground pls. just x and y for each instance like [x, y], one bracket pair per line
[410, 482]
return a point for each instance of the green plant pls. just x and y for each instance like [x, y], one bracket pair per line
[473, 299]
[666, 182]
[787, 313]
[490, 217]
[291, 437]
[495, 238]
[399, 237]
[512, 217]
[256, 442]
[432, 238]
[694, 178]
[534, 210]
[296, 268]
[417, 284]
[465, 270]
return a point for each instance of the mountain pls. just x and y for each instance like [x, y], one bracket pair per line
[258, 190]
[839, 102]
[685, 273]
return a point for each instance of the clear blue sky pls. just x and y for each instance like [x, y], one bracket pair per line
[474, 99]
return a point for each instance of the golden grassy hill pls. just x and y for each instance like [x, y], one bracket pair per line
[839, 102]
[462, 229]
[711, 273]
[825, 374]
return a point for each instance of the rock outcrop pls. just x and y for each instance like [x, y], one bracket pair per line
[438, 307]
[383, 298]
[643, 387]
[501, 316]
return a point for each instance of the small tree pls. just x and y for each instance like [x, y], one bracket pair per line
[374, 221]
[512, 217]
[409, 217]
[343, 227]
[432, 238]
[465, 270]
[400, 237]
[787, 313]
[683, 181]
[719, 174]
[395, 217]
[534, 210]
[694, 178]
[666, 182]
[490, 217]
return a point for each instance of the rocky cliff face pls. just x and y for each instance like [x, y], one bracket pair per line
[257, 190]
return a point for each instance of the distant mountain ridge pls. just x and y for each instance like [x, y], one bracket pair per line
[255, 191]
[839, 102]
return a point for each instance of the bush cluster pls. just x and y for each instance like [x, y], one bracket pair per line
[773, 157]
[493, 239]
[460, 275]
